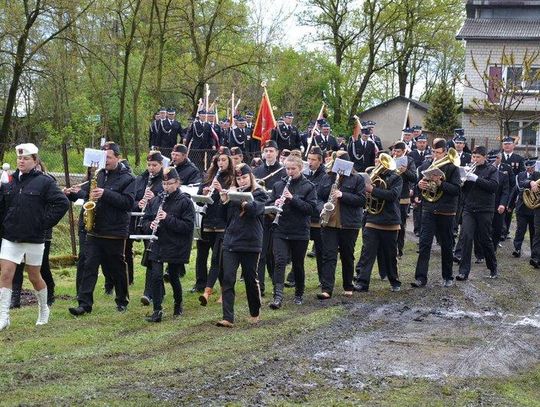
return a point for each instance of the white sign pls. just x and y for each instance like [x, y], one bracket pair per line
[94, 158]
[342, 167]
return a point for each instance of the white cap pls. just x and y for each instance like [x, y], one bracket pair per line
[26, 149]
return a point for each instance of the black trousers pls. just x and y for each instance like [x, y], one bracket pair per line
[496, 228]
[417, 218]
[248, 261]
[315, 235]
[535, 250]
[109, 252]
[297, 251]
[507, 223]
[129, 259]
[213, 241]
[478, 223]
[442, 226]
[45, 271]
[342, 240]
[403, 208]
[156, 282]
[381, 245]
[266, 258]
[523, 222]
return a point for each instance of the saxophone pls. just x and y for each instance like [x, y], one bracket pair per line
[89, 214]
[330, 205]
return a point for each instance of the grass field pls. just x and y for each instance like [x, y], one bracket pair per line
[298, 355]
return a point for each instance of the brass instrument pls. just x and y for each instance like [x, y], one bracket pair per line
[89, 214]
[433, 193]
[531, 199]
[374, 206]
[329, 206]
[278, 215]
[468, 170]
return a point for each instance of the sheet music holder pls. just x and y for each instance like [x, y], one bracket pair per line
[94, 158]
[235, 196]
[202, 199]
[432, 172]
[272, 210]
[143, 237]
[402, 161]
[342, 167]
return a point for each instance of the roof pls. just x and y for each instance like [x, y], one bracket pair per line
[415, 103]
[486, 29]
[506, 3]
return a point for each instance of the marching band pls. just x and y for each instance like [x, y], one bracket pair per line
[261, 218]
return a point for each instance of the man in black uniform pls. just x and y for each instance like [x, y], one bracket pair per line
[516, 162]
[407, 138]
[153, 132]
[170, 130]
[187, 171]
[370, 124]
[31, 203]
[105, 243]
[479, 199]
[252, 144]
[197, 138]
[237, 136]
[362, 151]
[269, 172]
[325, 140]
[408, 175]
[286, 135]
[524, 215]
[213, 129]
[502, 196]
[380, 232]
[438, 217]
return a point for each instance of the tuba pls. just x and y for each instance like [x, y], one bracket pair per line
[531, 199]
[89, 214]
[374, 206]
[433, 193]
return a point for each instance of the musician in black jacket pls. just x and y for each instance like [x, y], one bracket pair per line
[380, 232]
[220, 176]
[170, 217]
[242, 244]
[286, 135]
[187, 171]
[147, 186]
[115, 196]
[298, 199]
[268, 173]
[516, 162]
[502, 195]
[524, 215]
[438, 217]
[362, 151]
[325, 140]
[340, 231]
[422, 152]
[479, 199]
[30, 204]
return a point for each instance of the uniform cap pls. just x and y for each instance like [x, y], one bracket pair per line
[26, 149]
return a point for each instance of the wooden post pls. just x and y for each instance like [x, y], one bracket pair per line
[70, 210]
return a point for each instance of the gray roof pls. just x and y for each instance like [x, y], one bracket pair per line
[487, 29]
[416, 103]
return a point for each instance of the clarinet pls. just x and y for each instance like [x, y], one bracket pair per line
[276, 220]
[143, 209]
[210, 192]
[153, 237]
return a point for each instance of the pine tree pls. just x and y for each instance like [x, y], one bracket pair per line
[442, 116]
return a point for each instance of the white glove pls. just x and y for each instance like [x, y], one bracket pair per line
[471, 177]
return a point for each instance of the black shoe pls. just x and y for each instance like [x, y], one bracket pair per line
[290, 284]
[109, 290]
[448, 283]
[121, 308]
[178, 310]
[166, 277]
[478, 261]
[196, 289]
[78, 311]
[516, 253]
[361, 288]
[323, 296]
[145, 300]
[456, 259]
[493, 274]
[276, 303]
[418, 284]
[298, 299]
[461, 277]
[311, 254]
[534, 263]
[155, 317]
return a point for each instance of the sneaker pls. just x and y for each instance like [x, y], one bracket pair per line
[448, 283]
[361, 288]
[418, 284]
[395, 288]
[456, 259]
[493, 274]
[121, 308]
[298, 300]
[534, 263]
[478, 261]
[289, 284]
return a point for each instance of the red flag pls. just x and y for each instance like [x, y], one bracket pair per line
[265, 120]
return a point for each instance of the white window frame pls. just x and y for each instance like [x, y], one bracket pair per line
[523, 89]
[520, 132]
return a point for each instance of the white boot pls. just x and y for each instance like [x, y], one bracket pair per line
[5, 300]
[43, 316]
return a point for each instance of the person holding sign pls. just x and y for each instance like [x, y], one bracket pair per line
[344, 190]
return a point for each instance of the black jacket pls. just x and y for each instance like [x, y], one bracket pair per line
[315, 179]
[264, 170]
[522, 183]
[391, 214]
[465, 158]
[244, 232]
[238, 138]
[31, 206]
[352, 201]
[286, 137]
[517, 163]
[170, 130]
[362, 157]
[451, 188]
[188, 172]
[409, 178]
[502, 195]
[294, 221]
[419, 157]
[197, 138]
[329, 145]
[479, 196]
[112, 213]
[216, 213]
[175, 232]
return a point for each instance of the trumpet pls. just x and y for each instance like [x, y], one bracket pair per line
[433, 193]
[468, 170]
[278, 215]
[374, 206]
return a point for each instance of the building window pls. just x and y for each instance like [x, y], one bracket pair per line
[529, 82]
[528, 132]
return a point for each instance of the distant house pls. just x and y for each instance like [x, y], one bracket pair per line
[390, 116]
[501, 27]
